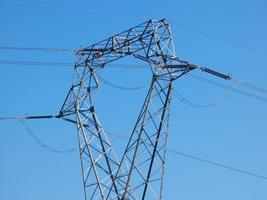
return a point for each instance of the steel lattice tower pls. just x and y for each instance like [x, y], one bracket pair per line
[138, 174]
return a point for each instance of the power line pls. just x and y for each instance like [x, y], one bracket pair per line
[14, 48]
[88, 114]
[190, 103]
[217, 164]
[205, 160]
[8, 118]
[251, 86]
[42, 63]
[66, 64]
[76, 11]
[230, 88]
[213, 36]
[38, 141]
[189, 28]
[129, 66]
[120, 86]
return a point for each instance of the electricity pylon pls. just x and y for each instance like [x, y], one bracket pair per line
[138, 174]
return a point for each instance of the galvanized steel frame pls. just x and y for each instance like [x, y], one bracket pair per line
[139, 173]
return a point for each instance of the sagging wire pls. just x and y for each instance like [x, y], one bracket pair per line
[31, 133]
[16, 48]
[8, 118]
[219, 38]
[227, 87]
[119, 86]
[245, 172]
[38, 141]
[192, 157]
[251, 86]
[190, 103]
[35, 63]
[229, 77]
[66, 64]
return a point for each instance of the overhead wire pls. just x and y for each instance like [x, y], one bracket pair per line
[71, 10]
[210, 35]
[190, 103]
[65, 64]
[250, 86]
[227, 87]
[41, 63]
[7, 118]
[39, 142]
[15, 48]
[189, 28]
[129, 66]
[214, 36]
[217, 164]
[120, 86]
[213, 163]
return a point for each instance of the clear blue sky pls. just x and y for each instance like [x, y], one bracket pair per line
[233, 132]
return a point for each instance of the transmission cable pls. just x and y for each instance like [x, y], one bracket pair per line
[35, 138]
[38, 141]
[120, 86]
[190, 103]
[130, 16]
[15, 48]
[66, 64]
[217, 164]
[230, 88]
[129, 66]
[213, 36]
[251, 86]
[192, 29]
[16, 62]
[78, 11]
